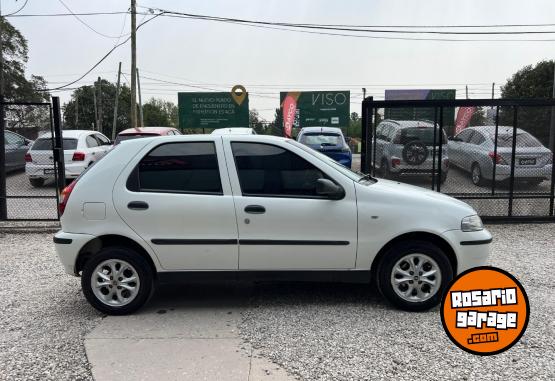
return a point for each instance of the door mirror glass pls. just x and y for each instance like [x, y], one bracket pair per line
[326, 187]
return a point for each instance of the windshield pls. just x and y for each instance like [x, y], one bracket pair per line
[45, 144]
[322, 139]
[356, 176]
[121, 138]
[522, 140]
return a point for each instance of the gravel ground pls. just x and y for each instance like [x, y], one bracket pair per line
[345, 332]
[43, 315]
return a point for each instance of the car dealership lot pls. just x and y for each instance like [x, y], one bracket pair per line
[313, 331]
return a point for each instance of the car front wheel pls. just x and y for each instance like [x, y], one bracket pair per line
[36, 182]
[117, 281]
[413, 275]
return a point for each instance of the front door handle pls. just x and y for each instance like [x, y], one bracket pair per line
[255, 209]
[137, 205]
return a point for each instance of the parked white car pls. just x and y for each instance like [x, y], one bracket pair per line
[81, 149]
[256, 207]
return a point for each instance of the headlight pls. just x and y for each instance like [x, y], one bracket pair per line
[472, 223]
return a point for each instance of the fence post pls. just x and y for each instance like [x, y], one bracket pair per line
[366, 138]
[439, 154]
[493, 180]
[513, 158]
[3, 200]
[58, 144]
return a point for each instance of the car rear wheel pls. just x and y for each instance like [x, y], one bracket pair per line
[476, 175]
[36, 183]
[413, 275]
[117, 281]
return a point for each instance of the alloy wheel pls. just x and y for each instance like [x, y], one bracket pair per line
[115, 282]
[416, 277]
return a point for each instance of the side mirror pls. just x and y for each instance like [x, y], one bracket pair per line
[328, 188]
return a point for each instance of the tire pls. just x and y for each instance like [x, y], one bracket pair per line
[36, 183]
[476, 175]
[116, 302]
[430, 257]
[415, 153]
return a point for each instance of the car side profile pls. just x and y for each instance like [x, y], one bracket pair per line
[82, 148]
[329, 141]
[473, 150]
[145, 132]
[404, 148]
[256, 207]
[15, 148]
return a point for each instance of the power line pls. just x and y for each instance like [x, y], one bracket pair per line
[69, 14]
[19, 10]
[103, 58]
[87, 25]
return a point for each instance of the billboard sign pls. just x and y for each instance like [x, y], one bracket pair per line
[214, 110]
[419, 113]
[314, 108]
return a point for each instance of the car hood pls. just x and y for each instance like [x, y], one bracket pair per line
[414, 202]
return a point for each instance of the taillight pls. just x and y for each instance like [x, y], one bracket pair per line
[64, 197]
[496, 157]
[395, 162]
[78, 156]
[28, 158]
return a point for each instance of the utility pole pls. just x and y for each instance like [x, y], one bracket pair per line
[140, 100]
[76, 110]
[3, 200]
[99, 126]
[363, 93]
[466, 91]
[95, 125]
[492, 91]
[114, 123]
[133, 63]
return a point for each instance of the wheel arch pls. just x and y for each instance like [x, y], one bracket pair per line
[416, 236]
[95, 245]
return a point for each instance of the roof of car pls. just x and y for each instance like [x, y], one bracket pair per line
[233, 131]
[146, 130]
[76, 134]
[321, 129]
[410, 123]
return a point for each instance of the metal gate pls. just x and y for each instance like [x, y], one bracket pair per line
[23, 197]
[498, 157]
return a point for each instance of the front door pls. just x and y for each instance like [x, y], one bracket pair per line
[283, 224]
[178, 199]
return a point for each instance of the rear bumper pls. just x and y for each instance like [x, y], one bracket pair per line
[35, 171]
[471, 248]
[68, 246]
[503, 172]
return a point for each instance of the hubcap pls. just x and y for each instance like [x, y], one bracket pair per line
[475, 175]
[115, 282]
[416, 277]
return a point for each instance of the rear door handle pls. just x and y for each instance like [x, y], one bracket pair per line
[255, 209]
[137, 205]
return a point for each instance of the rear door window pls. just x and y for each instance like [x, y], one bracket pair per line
[190, 167]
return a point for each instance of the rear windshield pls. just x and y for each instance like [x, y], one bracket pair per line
[121, 138]
[322, 138]
[45, 144]
[422, 134]
[522, 140]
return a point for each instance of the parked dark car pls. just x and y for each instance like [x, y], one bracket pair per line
[15, 146]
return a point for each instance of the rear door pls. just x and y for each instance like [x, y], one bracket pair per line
[15, 148]
[177, 197]
[283, 224]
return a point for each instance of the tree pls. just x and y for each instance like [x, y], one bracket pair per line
[15, 53]
[157, 112]
[530, 82]
[86, 113]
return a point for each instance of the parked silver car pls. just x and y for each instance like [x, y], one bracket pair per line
[405, 148]
[15, 146]
[473, 150]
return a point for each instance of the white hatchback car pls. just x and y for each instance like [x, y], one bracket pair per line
[81, 149]
[256, 207]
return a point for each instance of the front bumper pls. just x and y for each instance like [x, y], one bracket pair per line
[471, 248]
[68, 246]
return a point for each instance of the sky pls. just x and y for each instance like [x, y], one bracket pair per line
[267, 61]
